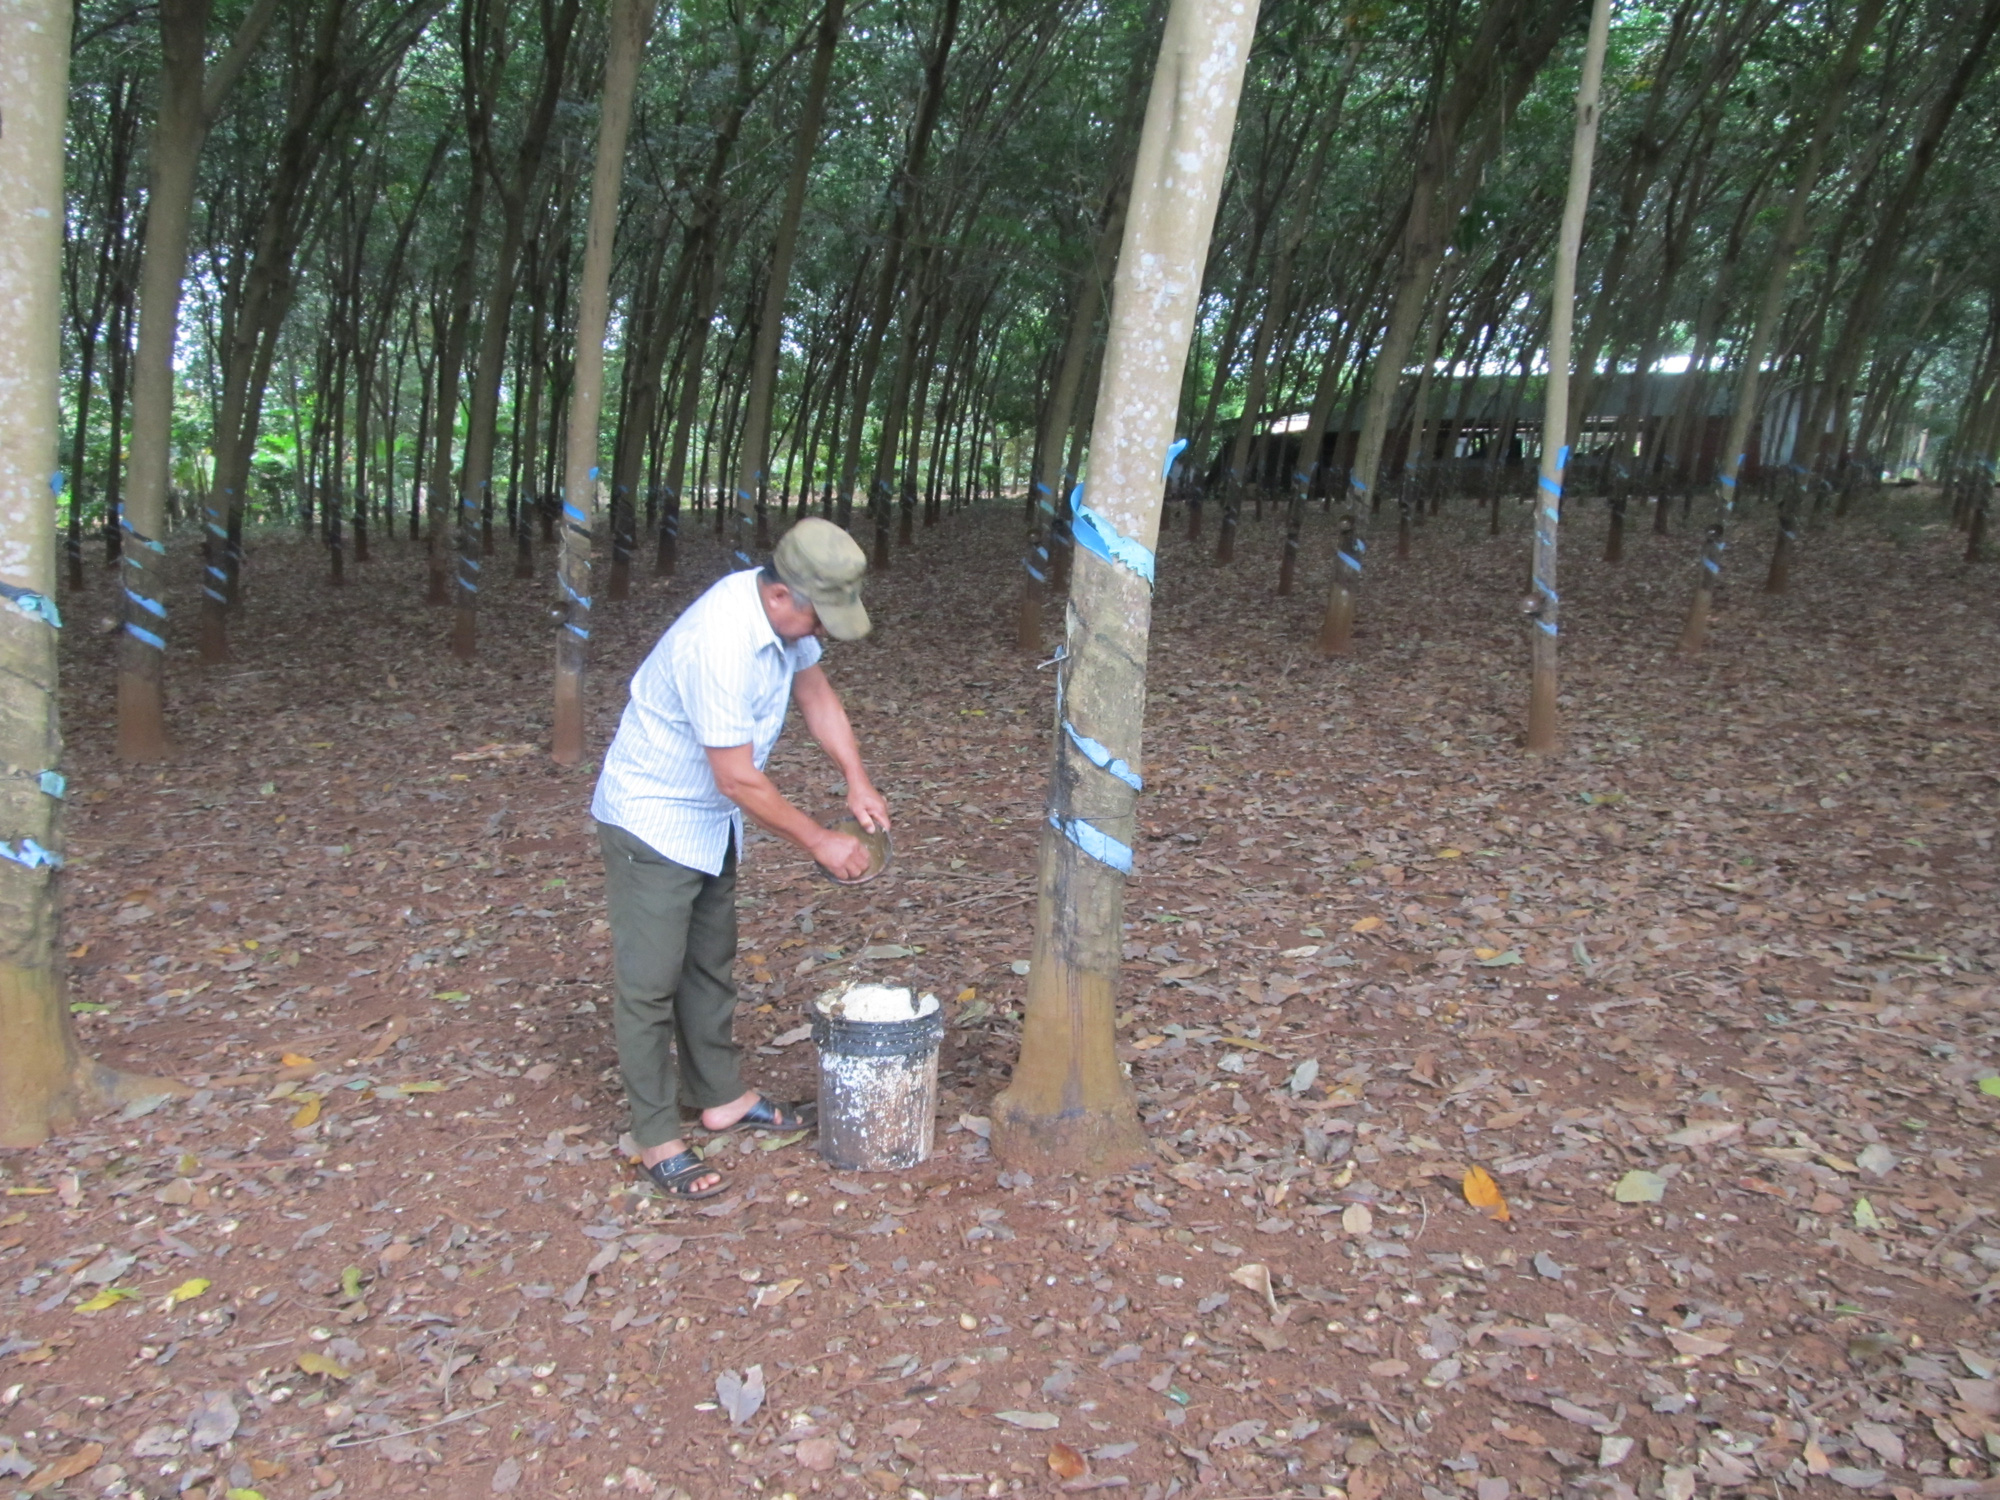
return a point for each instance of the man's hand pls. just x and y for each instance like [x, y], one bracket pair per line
[844, 856]
[869, 810]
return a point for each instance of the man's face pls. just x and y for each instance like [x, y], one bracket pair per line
[791, 615]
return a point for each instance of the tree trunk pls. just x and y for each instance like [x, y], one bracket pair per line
[177, 135]
[438, 490]
[1061, 404]
[754, 457]
[901, 219]
[630, 20]
[1069, 1105]
[46, 1083]
[1440, 188]
[1544, 607]
[190, 97]
[482, 420]
[1694, 629]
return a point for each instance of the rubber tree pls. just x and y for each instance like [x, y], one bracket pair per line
[1069, 1105]
[630, 20]
[46, 1082]
[191, 96]
[903, 195]
[1694, 629]
[1502, 51]
[1087, 301]
[753, 459]
[1545, 605]
[490, 367]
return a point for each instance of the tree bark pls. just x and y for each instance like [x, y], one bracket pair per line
[754, 458]
[1694, 629]
[1544, 606]
[630, 20]
[46, 1082]
[1061, 405]
[901, 219]
[1069, 1105]
[189, 102]
[1441, 186]
[482, 419]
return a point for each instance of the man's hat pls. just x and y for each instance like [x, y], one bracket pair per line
[818, 560]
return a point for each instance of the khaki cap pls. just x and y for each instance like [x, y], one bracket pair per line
[820, 561]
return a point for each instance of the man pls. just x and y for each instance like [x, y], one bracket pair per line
[685, 768]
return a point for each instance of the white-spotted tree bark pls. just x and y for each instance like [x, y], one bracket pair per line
[1069, 1106]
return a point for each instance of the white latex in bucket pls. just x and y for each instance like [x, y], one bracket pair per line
[878, 1068]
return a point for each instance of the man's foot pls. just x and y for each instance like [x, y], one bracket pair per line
[679, 1172]
[754, 1112]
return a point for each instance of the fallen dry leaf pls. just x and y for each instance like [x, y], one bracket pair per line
[1482, 1192]
[65, 1468]
[1066, 1462]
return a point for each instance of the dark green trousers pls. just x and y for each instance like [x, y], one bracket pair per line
[673, 938]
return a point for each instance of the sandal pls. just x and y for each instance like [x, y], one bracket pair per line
[766, 1115]
[677, 1175]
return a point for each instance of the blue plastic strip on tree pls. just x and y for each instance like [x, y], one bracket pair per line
[37, 606]
[133, 532]
[152, 607]
[1102, 758]
[1174, 451]
[1357, 481]
[578, 631]
[1349, 560]
[141, 633]
[1096, 534]
[571, 512]
[1553, 596]
[1547, 627]
[31, 855]
[582, 599]
[1033, 571]
[52, 782]
[1095, 842]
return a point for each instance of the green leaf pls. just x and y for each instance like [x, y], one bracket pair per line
[1505, 960]
[350, 1283]
[1865, 1216]
[1990, 1086]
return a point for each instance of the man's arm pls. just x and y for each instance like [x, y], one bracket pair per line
[827, 722]
[738, 779]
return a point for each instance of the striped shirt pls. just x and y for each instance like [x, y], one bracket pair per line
[720, 677]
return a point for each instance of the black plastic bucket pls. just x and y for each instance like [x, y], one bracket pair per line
[878, 1087]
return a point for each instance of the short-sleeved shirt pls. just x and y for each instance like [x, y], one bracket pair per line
[720, 677]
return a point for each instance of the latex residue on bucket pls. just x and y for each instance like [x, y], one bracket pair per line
[876, 1002]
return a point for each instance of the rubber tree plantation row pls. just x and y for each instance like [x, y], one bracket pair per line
[537, 287]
